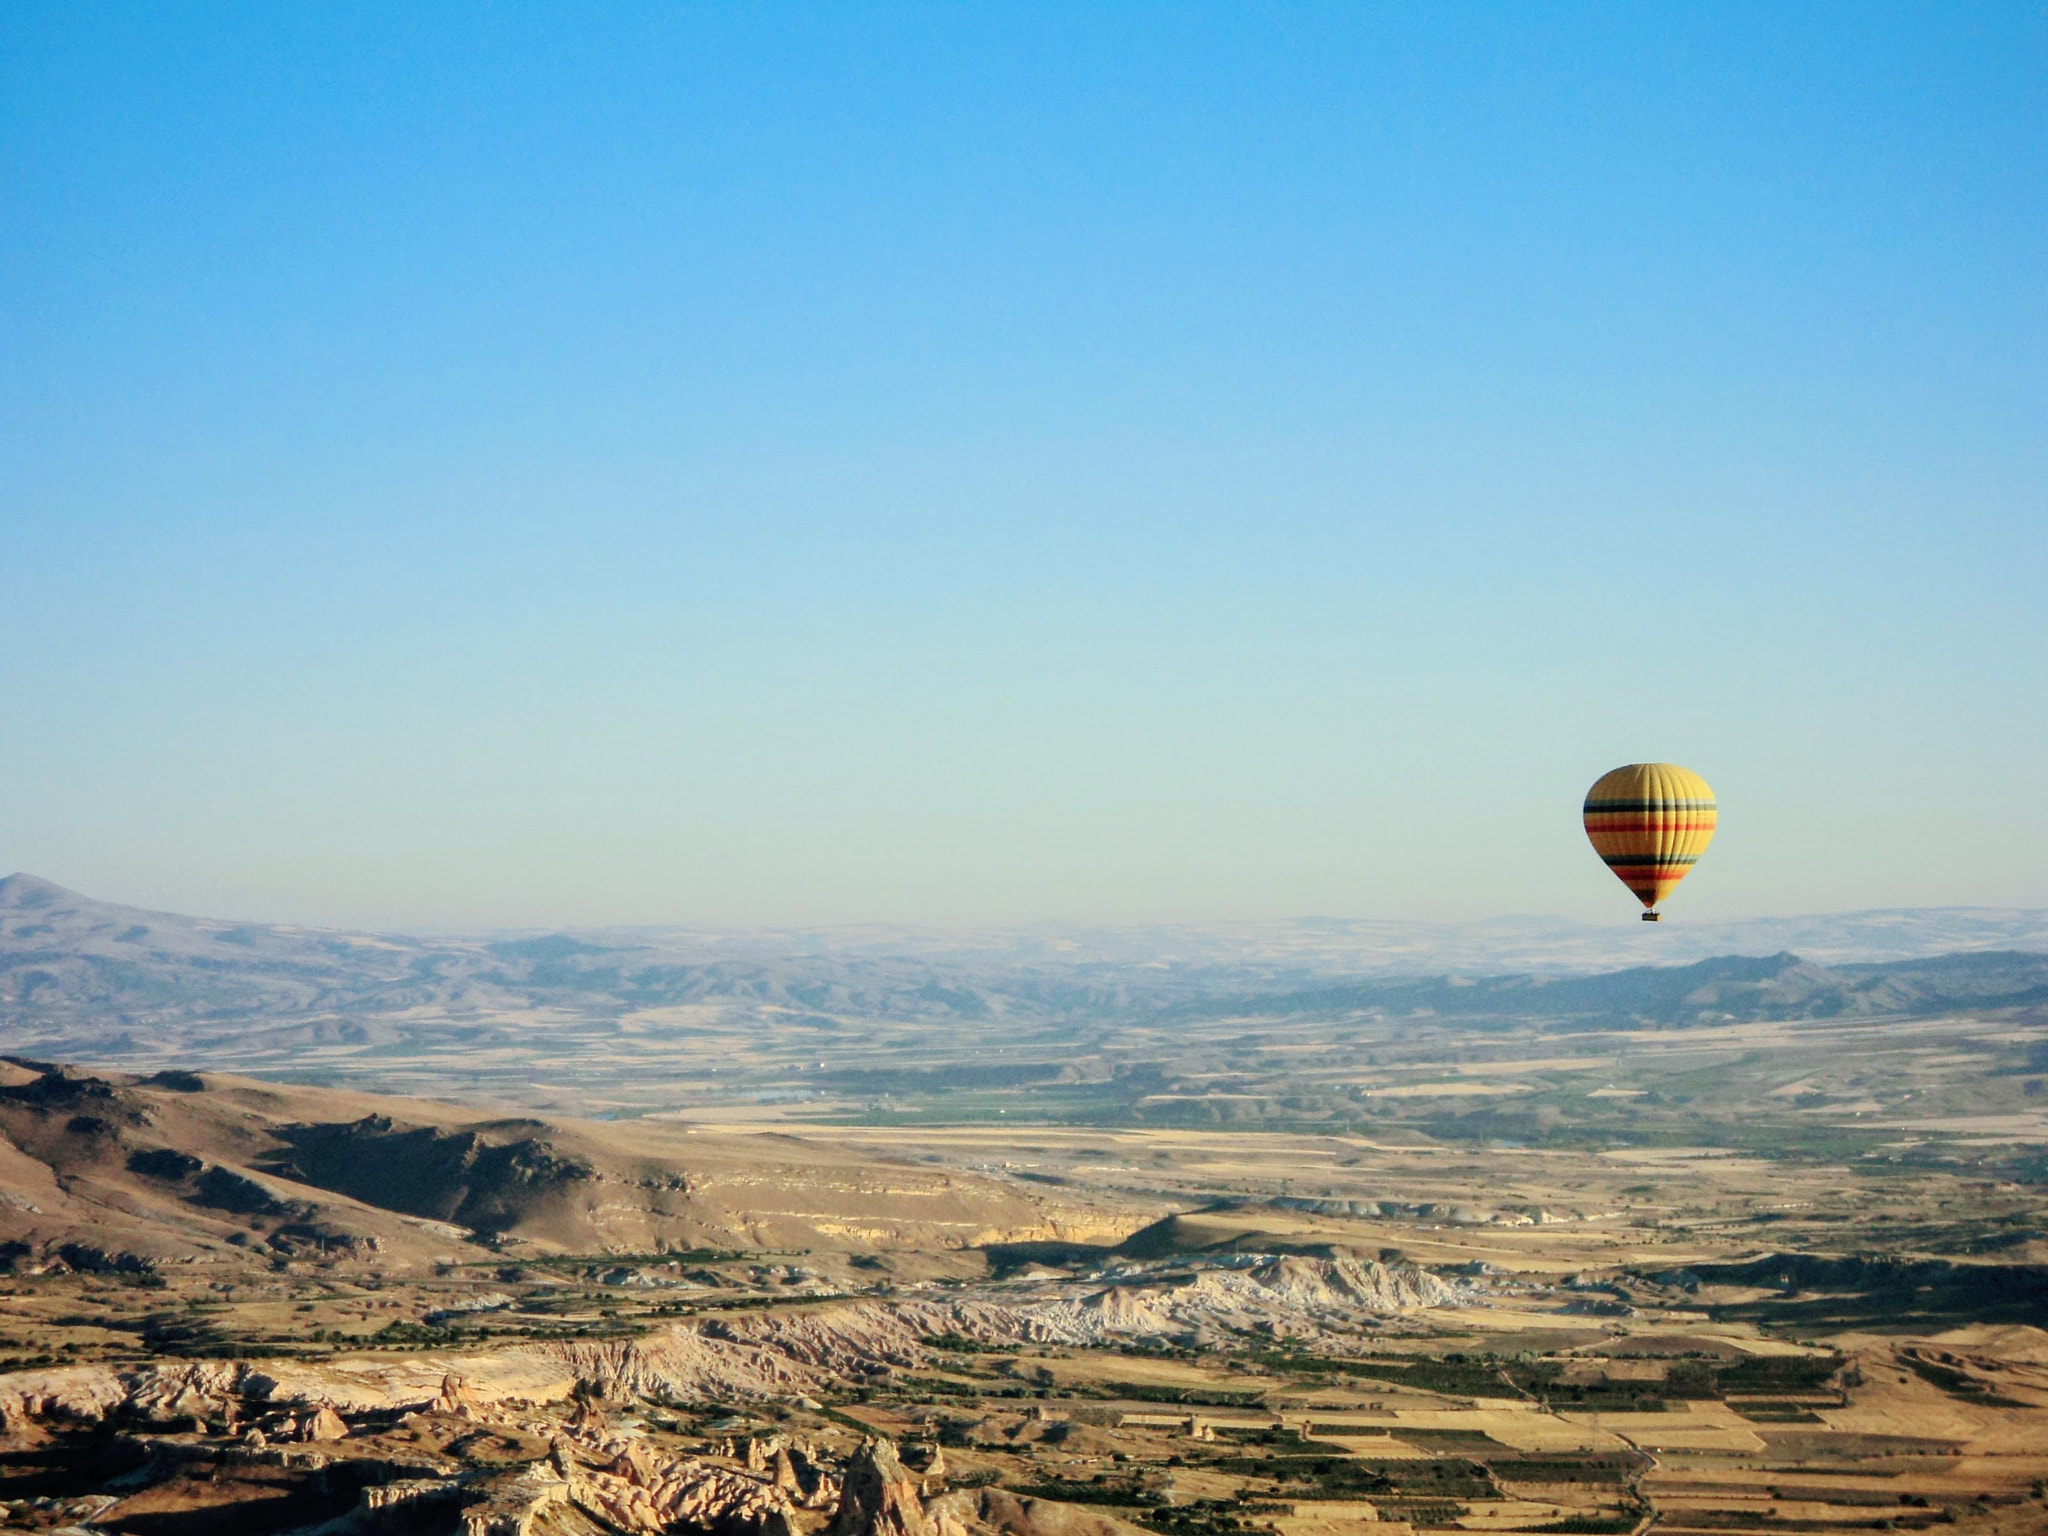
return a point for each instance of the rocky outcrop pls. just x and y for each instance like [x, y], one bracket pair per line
[514, 1505]
[87, 1393]
[879, 1498]
[176, 1393]
[1287, 1297]
[323, 1424]
[633, 1486]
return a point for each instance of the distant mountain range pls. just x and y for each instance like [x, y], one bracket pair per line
[91, 981]
[68, 959]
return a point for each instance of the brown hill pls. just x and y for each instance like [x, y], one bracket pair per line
[106, 1171]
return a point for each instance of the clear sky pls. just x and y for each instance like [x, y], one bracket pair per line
[505, 464]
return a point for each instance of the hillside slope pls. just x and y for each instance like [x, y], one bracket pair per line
[111, 1172]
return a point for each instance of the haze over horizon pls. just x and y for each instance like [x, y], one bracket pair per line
[53, 924]
[800, 465]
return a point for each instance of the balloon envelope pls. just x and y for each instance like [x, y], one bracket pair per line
[1650, 822]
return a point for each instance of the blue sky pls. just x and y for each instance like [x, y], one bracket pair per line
[470, 465]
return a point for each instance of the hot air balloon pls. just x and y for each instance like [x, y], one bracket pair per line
[1650, 822]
